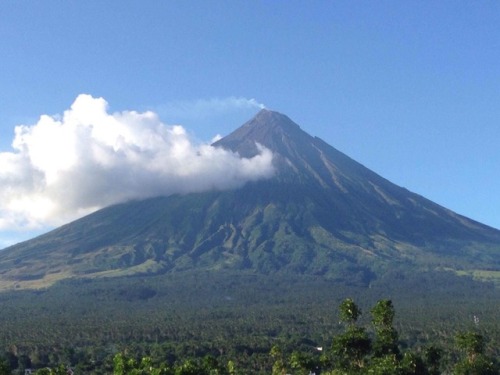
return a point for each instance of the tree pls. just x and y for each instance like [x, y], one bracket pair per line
[279, 367]
[386, 365]
[355, 353]
[349, 312]
[231, 368]
[412, 364]
[386, 340]
[24, 362]
[4, 367]
[350, 348]
[122, 364]
[475, 361]
[128, 366]
[432, 359]
[303, 363]
[188, 367]
[481, 365]
[471, 343]
[59, 370]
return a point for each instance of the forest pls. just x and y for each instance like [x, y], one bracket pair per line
[237, 323]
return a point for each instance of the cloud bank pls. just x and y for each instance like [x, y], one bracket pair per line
[66, 166]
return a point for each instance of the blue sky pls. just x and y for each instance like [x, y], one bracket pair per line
[409, 89]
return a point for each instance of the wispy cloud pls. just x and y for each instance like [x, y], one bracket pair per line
[66, 166]
[210, 117]
[207, 108]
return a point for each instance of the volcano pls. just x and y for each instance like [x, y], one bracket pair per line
[322, 213]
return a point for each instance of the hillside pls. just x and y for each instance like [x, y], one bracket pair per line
[321, 214]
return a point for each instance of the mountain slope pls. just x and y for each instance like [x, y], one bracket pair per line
[363, 199]
[322, 213]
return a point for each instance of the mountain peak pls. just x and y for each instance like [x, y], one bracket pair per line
[269, 115]
[268, 128]
[322, 213]
[271, 119]
[297, 156]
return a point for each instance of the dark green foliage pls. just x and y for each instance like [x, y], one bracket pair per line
[208, 365]
[302, 363]
[279, 365]
[413, 364]
[386, 340]
[349, 311]
[352, 352]
[433, 358]
[383, 314]
[475, 361]
[482, 365]
[123, 365]
[390, 364]
[231, 317]
[385, 365]
[472, 343]
[58, 370]
[4, 367]
[350, 348]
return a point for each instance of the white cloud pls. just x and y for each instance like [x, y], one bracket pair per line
[66, 166]
[203, 108]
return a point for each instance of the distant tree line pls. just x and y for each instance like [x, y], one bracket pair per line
[356, 350]
[171, 320]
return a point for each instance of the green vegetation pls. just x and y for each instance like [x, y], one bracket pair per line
[246, 281]
[266, 227]
[354, 351]
[238, 318]
[484, 275]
